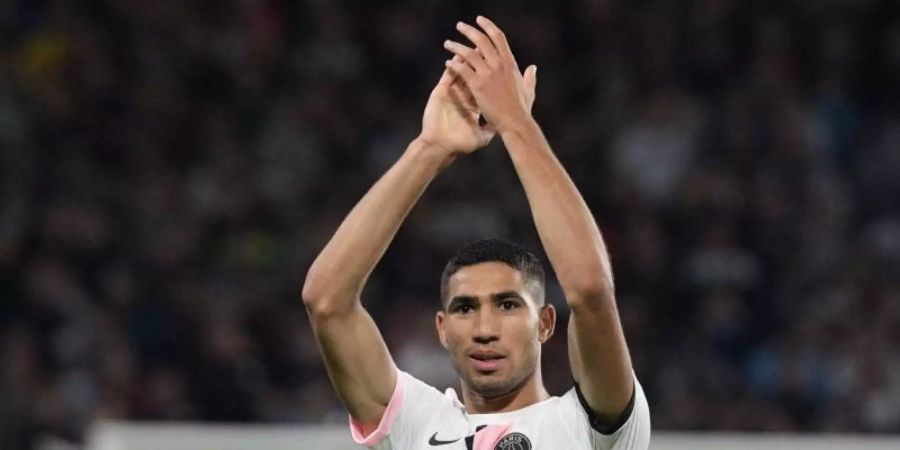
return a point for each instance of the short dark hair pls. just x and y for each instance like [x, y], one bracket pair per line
[497, 250]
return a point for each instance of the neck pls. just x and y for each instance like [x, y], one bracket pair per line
[528, 393]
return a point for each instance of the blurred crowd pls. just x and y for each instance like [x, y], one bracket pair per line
[169, 169]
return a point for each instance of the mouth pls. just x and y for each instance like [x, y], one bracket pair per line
[487, 361]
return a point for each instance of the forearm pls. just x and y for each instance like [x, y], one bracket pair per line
[564, 223]
[598, 352]
[340, 271]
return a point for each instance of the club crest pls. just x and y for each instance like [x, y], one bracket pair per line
[514, 441]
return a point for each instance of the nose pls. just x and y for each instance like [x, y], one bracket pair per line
[487, 327]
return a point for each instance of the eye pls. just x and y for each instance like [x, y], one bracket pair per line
[508, 305]
[463, 309]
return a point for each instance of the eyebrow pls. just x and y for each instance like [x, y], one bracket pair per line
[471, 299]
[505, 295]
[461, 299]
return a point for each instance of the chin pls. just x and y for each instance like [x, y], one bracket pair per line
[494, 384]
[487, 386]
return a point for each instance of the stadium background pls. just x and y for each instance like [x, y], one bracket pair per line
[170, 169]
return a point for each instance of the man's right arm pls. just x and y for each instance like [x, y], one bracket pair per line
[356, 357]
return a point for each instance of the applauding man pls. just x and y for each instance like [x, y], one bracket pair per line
[493, 318]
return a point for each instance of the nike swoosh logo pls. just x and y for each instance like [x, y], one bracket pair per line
[435, 442]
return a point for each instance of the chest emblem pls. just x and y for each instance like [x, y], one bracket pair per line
[514, 441]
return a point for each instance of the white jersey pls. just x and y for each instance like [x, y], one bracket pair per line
[419, 417]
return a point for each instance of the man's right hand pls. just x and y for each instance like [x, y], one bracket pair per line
[450, 122]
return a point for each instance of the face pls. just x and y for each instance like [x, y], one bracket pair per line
[492, 327]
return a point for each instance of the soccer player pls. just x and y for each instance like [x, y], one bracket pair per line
[493, 318]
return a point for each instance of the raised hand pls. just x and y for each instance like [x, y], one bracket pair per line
[450, 122]
[492, 75]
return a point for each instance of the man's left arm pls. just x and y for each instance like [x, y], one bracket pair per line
[598, 353]
[570, 236]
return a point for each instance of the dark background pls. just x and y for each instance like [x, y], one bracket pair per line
[170, 169]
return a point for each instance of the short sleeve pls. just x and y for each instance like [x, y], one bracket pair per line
[634, 433]
[412, 408]
[631, 432]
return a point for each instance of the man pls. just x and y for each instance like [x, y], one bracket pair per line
[493, 318]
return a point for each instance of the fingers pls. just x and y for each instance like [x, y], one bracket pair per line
[491, 49]
[465, 105]
[481, 41]
[456, 86]
[448, 76]
[497, 37]
[460, 101]
[530, 77]
[530, 80]
[461, 69]
[469, 55]
[462, 96]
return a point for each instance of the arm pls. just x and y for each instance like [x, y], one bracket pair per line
[355, 355]
[597, 350]
[598, 353]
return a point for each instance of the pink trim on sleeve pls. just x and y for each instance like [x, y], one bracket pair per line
[387, 420]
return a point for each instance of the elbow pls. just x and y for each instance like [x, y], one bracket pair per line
[594, 291]
[315, 300]
[310, 296]
[322, 309]
[312, 300]
[312, 292]
[320, 303]
[319, 307]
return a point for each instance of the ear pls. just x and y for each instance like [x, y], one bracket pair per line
[439, 321]
[547, 323]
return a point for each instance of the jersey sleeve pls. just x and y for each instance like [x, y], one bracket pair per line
[411, 409]
[631, 433]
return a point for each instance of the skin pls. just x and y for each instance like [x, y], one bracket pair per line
[358, 362]
[598, 353]
[491, 307]
[481, 80]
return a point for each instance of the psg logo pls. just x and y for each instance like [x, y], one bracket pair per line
[514, 441]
